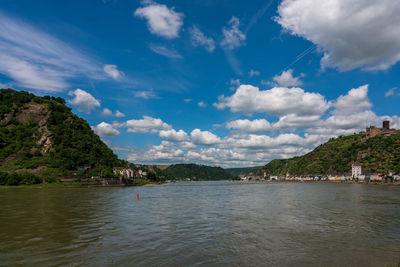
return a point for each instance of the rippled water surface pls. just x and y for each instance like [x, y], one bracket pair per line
[201, 224]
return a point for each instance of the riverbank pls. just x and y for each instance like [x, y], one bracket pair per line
[396, 183]
[138, 182]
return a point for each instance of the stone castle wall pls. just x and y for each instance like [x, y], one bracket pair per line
[385, 130]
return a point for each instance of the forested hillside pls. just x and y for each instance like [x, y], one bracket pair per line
[42, 135]
[378, 154]
[197, 172]
[242, 171]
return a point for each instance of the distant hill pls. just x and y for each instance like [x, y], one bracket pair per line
[378, 154]
[242, 171]
[197, 172]
[42, 135]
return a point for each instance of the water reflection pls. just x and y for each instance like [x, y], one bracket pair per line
[202, 223]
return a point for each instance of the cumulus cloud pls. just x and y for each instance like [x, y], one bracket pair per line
[256, 142]
[354, 122]
[254, 126]
[294, 121]
[356, 100]
[278, 101]
[204, 137]
[351, 111]
[119, 114]
[113, 71]
[233, 36]
[147, 125]
[166, 152]
[107, 112]
[83, 100]
[187, 145]
[172, 135]
[286, 79]
[105, 130]
[161, 20]
[199, 39]
[350, 34]
[164, 51]
[37, 60]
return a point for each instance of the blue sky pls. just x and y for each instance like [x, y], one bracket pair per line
[227, 83]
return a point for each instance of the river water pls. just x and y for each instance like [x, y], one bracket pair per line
[201, 224]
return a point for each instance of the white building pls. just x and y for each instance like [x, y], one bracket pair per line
[356, 170]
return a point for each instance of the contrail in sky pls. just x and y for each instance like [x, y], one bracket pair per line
[301, 55]
[257, 16]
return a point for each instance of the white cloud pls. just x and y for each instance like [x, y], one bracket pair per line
[286, 79]
[187, 145]
[117, 124]
[233, 36]
[107, 112]
[254, 73]
[113, 72]
[293, 121]
[253, 141]
[172, 135]
[147, 125]
[187, 100]
[351, 111]
[254, 126]
[166, 152]
[146, 94]
[199, 39]
[348, 114]
[202, 104]
[392, 91]
[166, 52]
[350, 34]
[204, 137]
[84, 101]
[105, 130]
[355, 122]
[278, 101]
[356, 100]
[161, 20]
[119, 114]
[199, 156]
[37, 60]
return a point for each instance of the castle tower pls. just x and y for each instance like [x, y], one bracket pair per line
[386, 125]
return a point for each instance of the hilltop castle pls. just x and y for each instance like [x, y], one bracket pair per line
[372, 131]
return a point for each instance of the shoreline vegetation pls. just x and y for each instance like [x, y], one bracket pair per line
[144, 182]
[79, 184]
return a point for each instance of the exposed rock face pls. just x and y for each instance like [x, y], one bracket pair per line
[35, 113]
[38, 114]
[45, 141]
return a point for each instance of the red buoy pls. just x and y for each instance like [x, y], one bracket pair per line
[137, 196]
